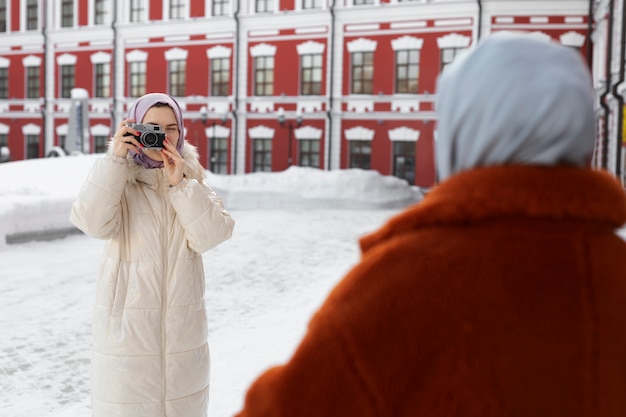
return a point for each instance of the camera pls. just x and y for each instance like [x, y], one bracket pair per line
[150, 136]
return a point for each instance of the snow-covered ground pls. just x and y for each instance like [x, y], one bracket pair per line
[296, 235]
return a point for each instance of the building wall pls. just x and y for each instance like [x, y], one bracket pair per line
[336, 116]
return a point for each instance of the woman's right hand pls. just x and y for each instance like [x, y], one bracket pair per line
[121, 143]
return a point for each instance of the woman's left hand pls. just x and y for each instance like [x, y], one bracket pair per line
[173, 163]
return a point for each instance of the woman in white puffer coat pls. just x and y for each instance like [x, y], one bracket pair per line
[150, 351]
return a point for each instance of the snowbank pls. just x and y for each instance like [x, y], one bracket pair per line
[36, 194]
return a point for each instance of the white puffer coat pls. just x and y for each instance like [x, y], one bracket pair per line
[150, 351]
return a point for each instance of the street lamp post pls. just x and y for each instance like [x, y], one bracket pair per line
[282, 120]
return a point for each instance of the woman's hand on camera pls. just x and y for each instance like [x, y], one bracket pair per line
[173, 162]
[124, 139]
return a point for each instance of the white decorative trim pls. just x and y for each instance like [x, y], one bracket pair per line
[137, 55]
[453, 40]
[362, 45]
[310, 47]
[176, 54]
[405, 105]
[219, 51]
[407, 42]
[31, 61]
[308, 132]
[100, 57]
[261, 132]
[4, 129]
[362, 27]
[62, 129]
[453, 22]
[100, 130]
[263, 49]
[217, 131]
[404, 134]
[262, 106]
[31, 129]
[539, 19]
[4, 62]
[66, 59]
[360, 106]
[572, 39]
[359, 133]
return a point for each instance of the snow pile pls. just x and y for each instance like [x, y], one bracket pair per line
[36, 194]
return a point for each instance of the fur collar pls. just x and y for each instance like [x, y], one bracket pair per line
[514, 192]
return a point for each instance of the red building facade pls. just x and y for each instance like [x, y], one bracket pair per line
[264, 84]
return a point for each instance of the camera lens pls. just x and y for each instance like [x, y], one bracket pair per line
[150, 140]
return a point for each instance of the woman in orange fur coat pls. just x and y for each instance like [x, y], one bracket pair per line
[502, 293]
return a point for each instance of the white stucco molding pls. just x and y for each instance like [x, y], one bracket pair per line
[359, 133]
[218, 52]
[574, 39]
[453, 40]
[362, 45]
[407, 42]
[66, 59]
[404, 134]
[261, 132]
[310, 48]
[176, 54]
[263, 49]
[100, 58]
[308, 132]
[137, 55]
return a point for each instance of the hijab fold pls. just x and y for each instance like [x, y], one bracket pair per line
[514, 99]
[138, 111]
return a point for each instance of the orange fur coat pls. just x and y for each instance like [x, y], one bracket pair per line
[503, 293]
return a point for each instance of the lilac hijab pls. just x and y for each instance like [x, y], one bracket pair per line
[139, 110]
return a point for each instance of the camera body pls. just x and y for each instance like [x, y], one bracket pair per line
[150, 136]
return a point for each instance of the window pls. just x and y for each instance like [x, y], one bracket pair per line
[262, 6]
[177, 9]
[100, 12]
[448, 55]
[103, 80]
[67, 80]
[311, 4]
[136, 10]
[4, 83]
[32, 82]
[4, 140]
[362, 72]
[309, 153]
[220, 7]
[262, 155]
[32, 15]
[404, 160]
[220, 76]
[67, 13]
[218, 155]
[407, 71]
[137, 79]
[32, 146]
[360, 154]
[101, 144]
[311, 77]
[177, 70]
[264, 76]
[3, 15]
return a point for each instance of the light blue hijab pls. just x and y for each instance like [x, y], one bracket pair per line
[514, 99]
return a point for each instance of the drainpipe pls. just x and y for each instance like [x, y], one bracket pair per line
[480, 20]
[236, 86]
[589, 31]
[331, 65]
[47, 50]
[609, 52]
[113, 66]
[620, 98]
